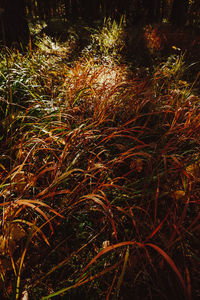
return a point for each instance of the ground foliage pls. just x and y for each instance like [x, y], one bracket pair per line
[100, 170]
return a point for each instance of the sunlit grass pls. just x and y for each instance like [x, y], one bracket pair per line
[100, 176]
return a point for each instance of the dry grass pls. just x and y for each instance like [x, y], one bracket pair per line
[100, 175]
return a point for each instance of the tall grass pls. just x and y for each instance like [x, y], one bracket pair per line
[99, 178]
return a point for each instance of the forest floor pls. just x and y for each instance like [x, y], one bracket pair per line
[100, 164]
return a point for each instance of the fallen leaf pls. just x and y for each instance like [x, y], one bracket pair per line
[179, 194]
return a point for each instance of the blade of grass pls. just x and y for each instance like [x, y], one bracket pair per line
[121, 277]
[170, 262]
[91, 278]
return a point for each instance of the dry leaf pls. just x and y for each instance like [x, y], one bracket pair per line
[139, 165]
[120, 147]
[12, 234]
[16, 232]
[21, 179]
[179, 194]
[193, 170]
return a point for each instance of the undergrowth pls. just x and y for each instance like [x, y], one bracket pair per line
[100, 173]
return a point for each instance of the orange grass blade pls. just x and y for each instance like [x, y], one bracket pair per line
[33, 225]
[170, 262]
[111, 287]
[59, 180]
[159, 226]
[20, 267]
[189, 289]
[26, 202]
[109, 248]
[97, 199]
[34, 207]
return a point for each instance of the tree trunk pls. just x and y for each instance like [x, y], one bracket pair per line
[152, 10]
[14, 26]
[179, 12]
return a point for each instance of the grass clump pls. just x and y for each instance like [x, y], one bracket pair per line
[99, 177]
[108, 40]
